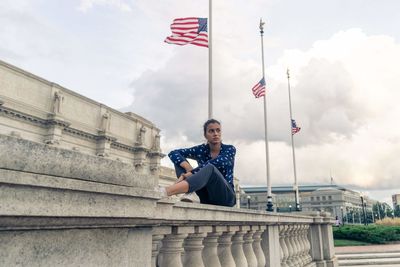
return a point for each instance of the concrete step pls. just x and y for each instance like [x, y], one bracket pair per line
[369, 262]
[370, 259]
[368, 255]
[374, 265]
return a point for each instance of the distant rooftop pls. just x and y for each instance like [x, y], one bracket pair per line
[289, 188]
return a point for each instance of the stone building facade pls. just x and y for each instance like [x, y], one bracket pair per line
[41, 111]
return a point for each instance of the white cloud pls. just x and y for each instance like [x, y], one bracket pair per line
[122, 5]
[343, 95]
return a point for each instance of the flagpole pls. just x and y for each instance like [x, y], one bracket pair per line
[269, 192]
[210, 103]
[295, 186]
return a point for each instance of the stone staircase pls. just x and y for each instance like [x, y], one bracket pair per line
[370, 259]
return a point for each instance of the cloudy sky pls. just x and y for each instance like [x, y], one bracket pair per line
[344, 58]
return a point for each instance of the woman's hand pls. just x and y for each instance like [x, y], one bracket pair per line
[183, 177]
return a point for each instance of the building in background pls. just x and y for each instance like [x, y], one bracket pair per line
[347, 205]
[396, 200]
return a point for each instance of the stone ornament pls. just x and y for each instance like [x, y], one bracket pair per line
[105, 122]
[57, 102]
[141, 135]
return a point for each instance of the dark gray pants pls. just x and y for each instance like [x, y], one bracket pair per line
[210, 185]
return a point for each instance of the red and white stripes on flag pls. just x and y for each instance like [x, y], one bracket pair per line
[259, 88]
[189, 31]
[295, 129]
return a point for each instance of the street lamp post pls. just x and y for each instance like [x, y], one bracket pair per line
[363, 205]
[290, 208]
[341, 209]
[248, 201]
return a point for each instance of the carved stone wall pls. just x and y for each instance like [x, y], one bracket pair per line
[35, 109]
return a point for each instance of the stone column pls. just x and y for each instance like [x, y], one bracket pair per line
[172, 247]
[193, 245]
[270, 244]
[327, 241]
[237, 247]
[248, 248]
[315, 238]
[224, 247]
[258, 251]
[210, 252]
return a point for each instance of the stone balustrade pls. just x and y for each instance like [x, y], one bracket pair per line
[197, 240]
[64, 208]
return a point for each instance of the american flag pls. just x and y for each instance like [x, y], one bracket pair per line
[295, 129]
[189, 31]
[259, 88]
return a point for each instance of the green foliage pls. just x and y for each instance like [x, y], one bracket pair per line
[382, 210]
[375, 234]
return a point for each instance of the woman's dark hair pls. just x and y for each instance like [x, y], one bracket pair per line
[209, 122]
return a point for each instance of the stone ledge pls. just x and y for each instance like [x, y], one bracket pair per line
[27, 156]
[18, 178]
[210, 214]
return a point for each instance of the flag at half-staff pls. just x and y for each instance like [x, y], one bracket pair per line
[259, 88]
[189, 31]
[295, 129]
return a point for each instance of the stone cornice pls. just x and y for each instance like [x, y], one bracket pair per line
[14, 114]
[58, 121]
[103, 135]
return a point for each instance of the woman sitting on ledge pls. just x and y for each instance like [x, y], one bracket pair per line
[212, 180]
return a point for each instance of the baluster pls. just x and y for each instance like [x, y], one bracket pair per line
[172, 247]
[295, 245]
[237, 247]
[193, 246]
[210, 252]
[258, 252]
[285, 252]
[303, 239]
[156, 244]
[296, 237]
[224, 248]
[308, 244]
[289, 246]
[248, 248]
[158, 235]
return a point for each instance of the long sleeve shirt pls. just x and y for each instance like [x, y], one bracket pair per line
[224, 162]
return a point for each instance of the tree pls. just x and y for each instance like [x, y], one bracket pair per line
[397, 211]
[382, 209]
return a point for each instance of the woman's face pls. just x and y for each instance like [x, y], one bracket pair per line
[213, 133]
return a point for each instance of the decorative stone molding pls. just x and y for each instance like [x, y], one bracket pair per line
[21, 116]
[104, 142]
[56, 126]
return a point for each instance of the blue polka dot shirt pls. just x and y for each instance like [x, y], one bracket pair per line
[224, 162]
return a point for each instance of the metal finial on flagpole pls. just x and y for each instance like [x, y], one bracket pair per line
[262, 26]
[269, 188]
[295, 185]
